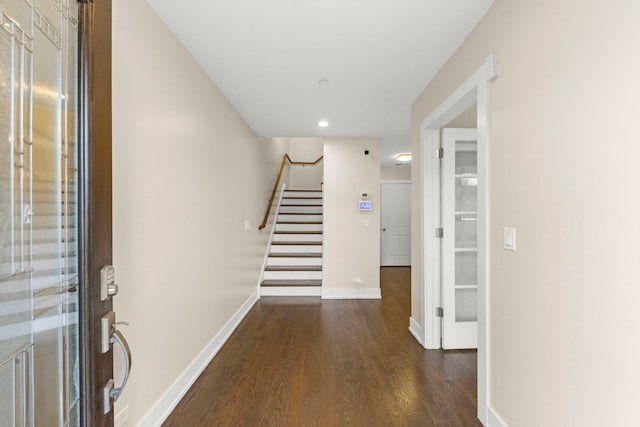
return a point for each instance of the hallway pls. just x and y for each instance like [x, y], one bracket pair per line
[307, 361]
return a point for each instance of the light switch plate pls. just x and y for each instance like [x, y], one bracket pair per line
[509, 239]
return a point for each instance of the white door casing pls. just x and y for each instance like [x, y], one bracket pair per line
[395, 222]
[426, 328]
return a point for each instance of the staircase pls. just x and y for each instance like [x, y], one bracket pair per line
[294, 261]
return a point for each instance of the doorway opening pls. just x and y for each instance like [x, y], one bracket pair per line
[474, 91]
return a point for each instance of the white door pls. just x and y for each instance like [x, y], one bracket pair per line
[460, 239]
[395, 224]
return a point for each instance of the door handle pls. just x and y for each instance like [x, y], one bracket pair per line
[118, 338]
[111, 335]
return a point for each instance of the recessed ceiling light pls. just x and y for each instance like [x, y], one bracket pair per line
[404, 157]
[323, 123]
[323, 82]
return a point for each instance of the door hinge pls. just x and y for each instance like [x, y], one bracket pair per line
[439, 153]
[439, 312]
[439, 233]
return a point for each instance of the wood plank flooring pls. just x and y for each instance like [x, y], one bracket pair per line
[304, 361]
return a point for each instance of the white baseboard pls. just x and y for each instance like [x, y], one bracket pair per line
[121, 417]
[163, 407]
[416, 330]
[493, 420]
[290, 291]
[351, 293]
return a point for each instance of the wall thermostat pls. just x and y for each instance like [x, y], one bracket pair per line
[365, 203]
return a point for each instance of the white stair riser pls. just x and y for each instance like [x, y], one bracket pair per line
[292, 275]
[293, 261]
[290, 291]
[294, 217]
[298, 227]
[297, 248]
[301, 202]
[296, 209]
[297, 237]
[288, 193]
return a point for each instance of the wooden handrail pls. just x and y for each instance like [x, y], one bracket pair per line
[285, 159]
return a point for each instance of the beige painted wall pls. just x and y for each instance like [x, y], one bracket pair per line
[183, 260]
[563, 317]
[351, 249]
[306, 150]
[395, 173]
[468, 119]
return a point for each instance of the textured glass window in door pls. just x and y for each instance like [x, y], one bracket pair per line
[38, 221]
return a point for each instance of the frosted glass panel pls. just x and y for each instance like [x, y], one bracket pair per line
[466, 230]
[466, 305]
[466, 194]
[466, 268]
[466, 158]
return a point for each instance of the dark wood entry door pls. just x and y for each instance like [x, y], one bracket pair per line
[55, 211]
[95, 196]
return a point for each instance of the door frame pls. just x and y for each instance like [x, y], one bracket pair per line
[94, 191]
[474, 90]
[391, 181]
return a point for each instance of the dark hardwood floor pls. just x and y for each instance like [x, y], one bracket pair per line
[312, 362]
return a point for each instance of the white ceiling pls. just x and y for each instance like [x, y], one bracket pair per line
[378, 55]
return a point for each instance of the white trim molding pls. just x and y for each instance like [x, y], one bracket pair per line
[163, 407]
[120, 419]
[416, 330]
[475, 90]
[493, 420]
[351, 293]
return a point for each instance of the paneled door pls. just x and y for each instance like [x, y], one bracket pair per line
[460, 238]
[395, 224]
[49, 306]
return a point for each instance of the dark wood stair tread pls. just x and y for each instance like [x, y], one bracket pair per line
[300, 206]
[293, 243]
[303, 191]
[301, 198]
[295, 255]
[293, 268]
[300, 222]
[306, 282]
[296, 232]
[300, 213]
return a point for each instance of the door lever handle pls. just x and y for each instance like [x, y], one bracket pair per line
[118, 338]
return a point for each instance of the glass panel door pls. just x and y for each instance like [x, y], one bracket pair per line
[39, 368]
[460, 240]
